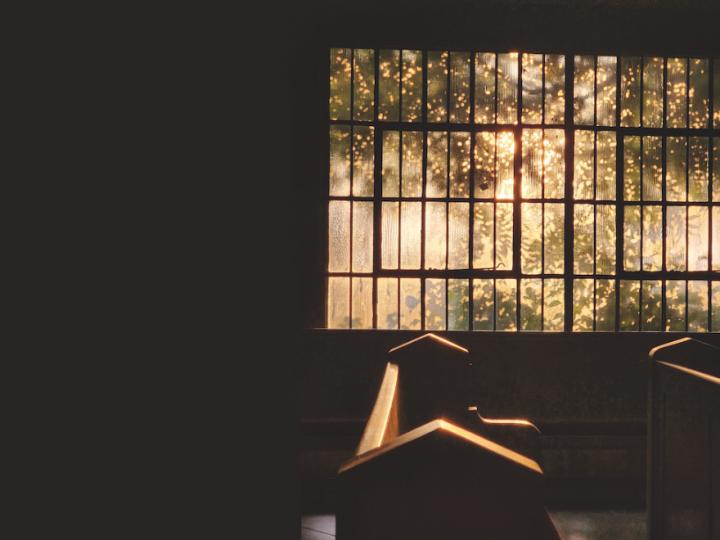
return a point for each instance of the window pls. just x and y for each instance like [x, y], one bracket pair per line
[523, 192]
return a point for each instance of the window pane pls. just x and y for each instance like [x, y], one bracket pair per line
[698, 241]
[554, 305]
[675, 238]
[584, 165]
[504, 236]
[435, 235]
[606, 90]
[338, 314]
[676, 159]
[605, 231]
[437, 66]
[629, 305]
[532, 163]
[483, 235]
[631, 172]
[412, 148]
[630, 92]
[483, 304]
[437, 164]
[554, 238]
[653, 92]
[340, 66]
[460, 87]
[362, 242]
[485, 88]
[677, 92]
[459, 164]
[631, 239]
[651, 305]
[605, 174]
[530, 302]
[364, 84]
[531, 241]
[697, 306]
[716, 93]
[716, 238]
[675, 306]
[505, 172]
[532, 65]
[391, 164]
[605, 305]
[387, 303]
[339, 236]
[363, 160]
[458, 235]
[582, 305]
[390, 234]
[584, 239]
[458, 304]
[698, 169]
[652, 238]
[584, 90]
[410, 219]
[699, 93]
[389, 89]
[362, 302]
[652, 168]
[716, 300]
[340, 160]
[506, 304]
[485, 164]
[410, 304]
[507, 88]
[554, 89]
[554, 163]
[435, 304]
[716, 170]
[411, 89]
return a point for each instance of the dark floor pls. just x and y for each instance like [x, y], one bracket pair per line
[572, 525]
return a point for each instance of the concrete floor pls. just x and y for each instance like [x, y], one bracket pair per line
[572, 525]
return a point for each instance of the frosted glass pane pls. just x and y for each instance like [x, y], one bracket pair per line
[651, 314]
[531, 241]
[631, 165]
[652, 169]
[630, 92]
[437, 69]
[410, 221]
[532, 163]
[458, 235]
[437, 164]
[412, 148]
[716, 238]
[530, 302]
[411, 86]
[532, 65]
[584, 165]
[389, 85]
[584, 90]
[605, 305]
[391, 164]
[338, 313]
[675, 306]
[435, 235]
[390, 234]
[582, 305]
[698, 241]
[363, 161]
[504, 236]
[460, 87]
[606, 90]
[339, 236]
[676, 160]
[362, 242]
[629, 305]
[605, 170]
[485, 164]
[653, 92]
[697, 306]
[652, 238]
[676, 92]
[387, 303]
[675, 238]
[483, 304]
[340, 161]
[554, 89]
[507, 88]
[434, 304]
[554, 238]
[715, 317]
[505, 159]
[458, 304]
[699, 93]
[410, 304]
[485, 88]
[584, 239]
[698, 169]
[605, 230]
[340, 68]
[364, 84]
[554, 163]
[362, 313]
[554, 305]
[506, 304]
[459, 165]
[631, 239]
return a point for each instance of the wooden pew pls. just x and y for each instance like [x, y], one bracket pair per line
[683, 490]
[427, 467]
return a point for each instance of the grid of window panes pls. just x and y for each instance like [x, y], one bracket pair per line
[505, 191]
